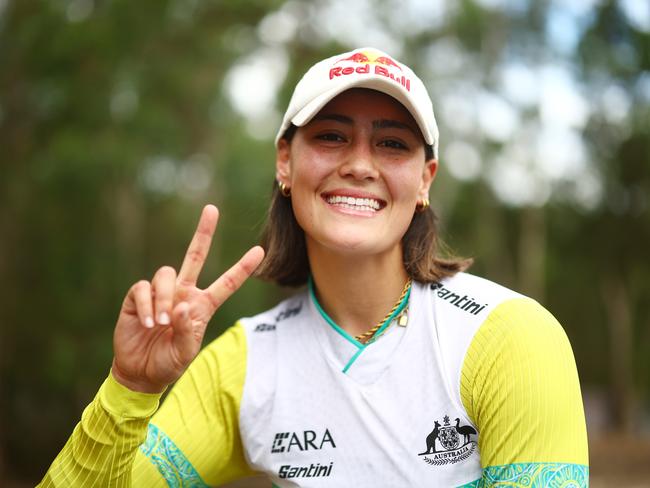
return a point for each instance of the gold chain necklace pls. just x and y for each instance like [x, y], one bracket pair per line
[366, 336]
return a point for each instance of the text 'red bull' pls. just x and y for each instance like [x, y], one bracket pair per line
[365, 69]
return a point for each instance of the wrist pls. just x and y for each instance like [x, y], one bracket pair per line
[134, 385]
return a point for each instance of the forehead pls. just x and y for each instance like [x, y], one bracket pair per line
[363, 103]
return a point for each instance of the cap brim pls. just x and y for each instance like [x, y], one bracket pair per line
[379, 83]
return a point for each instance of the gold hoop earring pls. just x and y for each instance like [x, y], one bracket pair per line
[422, 205]
[285, 191]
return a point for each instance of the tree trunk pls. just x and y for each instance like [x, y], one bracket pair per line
[492, 240]
[532, 252]
[619, 320]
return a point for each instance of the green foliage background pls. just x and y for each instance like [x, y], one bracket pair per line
[98, 98]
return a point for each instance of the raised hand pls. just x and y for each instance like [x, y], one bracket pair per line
[162, 323]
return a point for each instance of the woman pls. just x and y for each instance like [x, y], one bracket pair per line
[393, 368]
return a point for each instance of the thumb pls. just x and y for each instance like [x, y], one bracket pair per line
[184, 340]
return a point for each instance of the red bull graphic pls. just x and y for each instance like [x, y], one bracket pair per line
[356, 58]
[387, 61]
[367, 63]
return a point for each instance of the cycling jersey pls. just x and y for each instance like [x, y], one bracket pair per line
[479, 387]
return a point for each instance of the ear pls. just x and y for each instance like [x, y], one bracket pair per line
[282, 162]
[428, 175]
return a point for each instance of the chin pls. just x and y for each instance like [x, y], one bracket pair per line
[354, 245]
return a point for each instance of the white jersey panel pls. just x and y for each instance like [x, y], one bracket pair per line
[393, 419]
[461, 305]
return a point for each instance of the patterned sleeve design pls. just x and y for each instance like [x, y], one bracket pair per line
[170, 460]
[519, 384]
[533, 475]
[194, 440]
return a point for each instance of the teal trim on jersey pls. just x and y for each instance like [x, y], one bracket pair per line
[337, 328]
[170, 460]
[328, 319]
[353, 359]
[534, 475]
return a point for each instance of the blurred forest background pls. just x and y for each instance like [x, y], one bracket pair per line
[119, 120]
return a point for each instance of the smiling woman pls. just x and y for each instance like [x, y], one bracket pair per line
[354, 380]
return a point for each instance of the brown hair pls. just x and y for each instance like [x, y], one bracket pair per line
[286, 261]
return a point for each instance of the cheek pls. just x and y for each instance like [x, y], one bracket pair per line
[404, 184]
[309, 169]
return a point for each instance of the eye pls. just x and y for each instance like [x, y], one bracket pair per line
[393, 144]
[330, 137]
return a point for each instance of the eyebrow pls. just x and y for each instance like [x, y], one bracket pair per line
[376, 124]
[392, 124]
[335, 117]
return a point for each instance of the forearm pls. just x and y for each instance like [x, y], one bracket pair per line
[103, 445]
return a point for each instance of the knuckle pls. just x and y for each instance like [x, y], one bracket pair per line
[229, 283]
[164, 272]
[167, 270]
[140, 286]
[215, 301]
[247, 268]
[196, 255]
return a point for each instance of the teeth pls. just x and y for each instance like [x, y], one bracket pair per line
[366, 204]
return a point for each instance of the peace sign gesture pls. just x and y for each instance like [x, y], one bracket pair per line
[162, 323]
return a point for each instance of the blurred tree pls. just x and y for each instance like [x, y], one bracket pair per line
[615, 57]
[108, 148]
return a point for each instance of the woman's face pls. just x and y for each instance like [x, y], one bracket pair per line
[356, 172]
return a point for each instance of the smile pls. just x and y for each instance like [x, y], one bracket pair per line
[352, 203]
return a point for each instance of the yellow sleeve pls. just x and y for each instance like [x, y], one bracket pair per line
[194, 437]
[519, 385]
[193, 440]
[101, 449]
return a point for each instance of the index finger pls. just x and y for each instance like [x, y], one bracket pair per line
[197, 252]
[229, 282]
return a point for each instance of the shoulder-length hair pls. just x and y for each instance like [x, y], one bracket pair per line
[286, 262]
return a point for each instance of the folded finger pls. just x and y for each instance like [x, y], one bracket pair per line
[163, 287]
[141, 294]
[231, 280]
[185, 341]
[197, 252]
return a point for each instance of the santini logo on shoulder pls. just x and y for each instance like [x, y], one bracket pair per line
[283, 315]
[463, 302]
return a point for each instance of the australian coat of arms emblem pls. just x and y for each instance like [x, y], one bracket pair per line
[449, 444]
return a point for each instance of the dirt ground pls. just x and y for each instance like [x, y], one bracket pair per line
[619, 462]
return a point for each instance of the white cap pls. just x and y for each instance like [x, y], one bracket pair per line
[362, 68]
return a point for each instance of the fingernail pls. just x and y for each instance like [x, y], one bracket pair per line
[163, 319]
[148, 322]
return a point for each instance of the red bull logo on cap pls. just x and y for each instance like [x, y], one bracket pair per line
[356, 58]
[381, 65]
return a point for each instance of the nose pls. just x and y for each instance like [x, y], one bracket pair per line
[359, 163]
